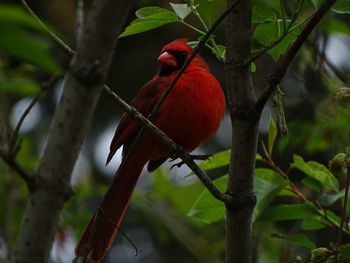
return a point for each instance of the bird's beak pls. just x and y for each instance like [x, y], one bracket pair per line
[168, 60]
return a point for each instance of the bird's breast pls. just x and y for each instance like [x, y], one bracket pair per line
[193, 110]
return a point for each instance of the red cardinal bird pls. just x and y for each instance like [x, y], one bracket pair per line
[190, 115]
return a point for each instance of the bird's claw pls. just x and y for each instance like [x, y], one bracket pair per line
[193, 157]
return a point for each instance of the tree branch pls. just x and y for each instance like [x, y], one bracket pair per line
[329, 65]
[275, 77]
[79, 21]
[16, 167]
[186, 158]
[13, 146]
[82, 88]
[245, 120]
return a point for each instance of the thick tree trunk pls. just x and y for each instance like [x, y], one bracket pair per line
[245, 120]
[82, 88]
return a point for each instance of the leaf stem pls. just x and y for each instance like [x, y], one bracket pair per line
[192, 27]
[215, 48]
[295, 190]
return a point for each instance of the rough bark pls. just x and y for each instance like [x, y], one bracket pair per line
[82, 88]
[245, 120]
[245, 112]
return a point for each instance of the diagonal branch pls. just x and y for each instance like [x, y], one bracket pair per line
[186, 158]
[328, 64]
[10, 153]
[286, 31]
[58, 40]
[16, 167]
[13, 148]
[275, 77]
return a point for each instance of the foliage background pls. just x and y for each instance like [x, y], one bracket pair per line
[157, 221]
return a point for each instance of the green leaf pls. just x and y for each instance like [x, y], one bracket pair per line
[150, 10]
[332, 25]
[268, 32]
[262, 12]
[345, 251]
[141, 27]
[309, 224]
[181, 197]
[16, 15]
[270, 176]
[207, 208]
[267, 184]
[316, 171]
[299, 239]
[164, 16]
[218, 160]
[272, 133]
[18, 85]
[330, 219]
[193, 44]
[323, 255]
[316, 3]
[149, 18]
[221, 53]
[287, 212]
[182, 10]
[341, 7]
[26, 47]
[312, 183]
[328, 199]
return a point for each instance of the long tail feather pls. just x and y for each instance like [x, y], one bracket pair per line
[104, 225]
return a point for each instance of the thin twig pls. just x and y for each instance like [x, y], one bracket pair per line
[280, 70]
[16, 167]
[13, 146]
[337, 72]
[274, 43]
[295, 15]
[137, 251]
[57, 39]
[260, 53]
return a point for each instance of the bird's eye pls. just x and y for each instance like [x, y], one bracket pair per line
[183, 53]
[177, 54]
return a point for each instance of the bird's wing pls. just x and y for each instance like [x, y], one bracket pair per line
[144, 101]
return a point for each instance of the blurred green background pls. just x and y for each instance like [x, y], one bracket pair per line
[157, 221]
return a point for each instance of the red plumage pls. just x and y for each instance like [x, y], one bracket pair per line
[190, 115]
